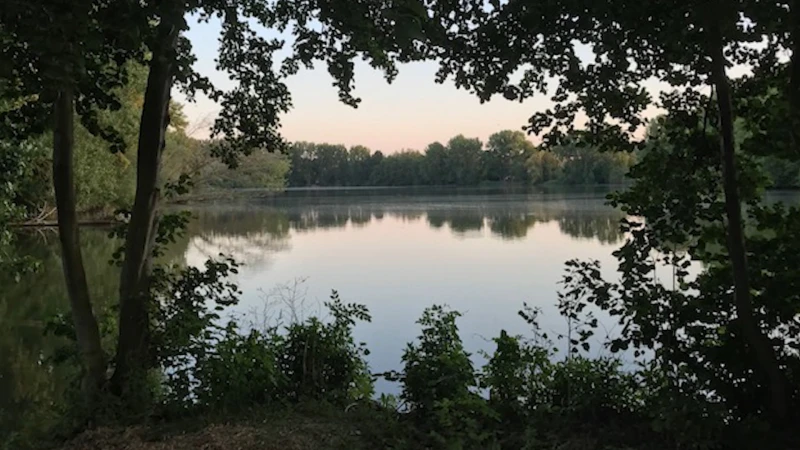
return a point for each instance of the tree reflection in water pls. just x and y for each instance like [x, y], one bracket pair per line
[251, 232]
[31, 383]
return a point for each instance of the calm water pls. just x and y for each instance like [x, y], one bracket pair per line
[397, 252]
[482, 252]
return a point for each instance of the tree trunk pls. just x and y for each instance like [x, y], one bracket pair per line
[756, 339]
[86, 329]
[794, 81]
[134, 356]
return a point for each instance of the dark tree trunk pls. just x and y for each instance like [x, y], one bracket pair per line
[86, 329]
[794, 82]
[134, 356]
[754, 336]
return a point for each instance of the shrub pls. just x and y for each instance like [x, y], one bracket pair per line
[227, 369]
[185, 333]
[436, 367]
[514, 377]
[595, 390]
[322, 361]
[542, 401]
[440, 385]
[240, 370]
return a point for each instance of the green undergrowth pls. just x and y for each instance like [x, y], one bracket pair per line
[302, 383]
[306, 385]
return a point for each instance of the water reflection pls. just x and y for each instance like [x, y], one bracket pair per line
[248, 235]
[251, 231]
[31, 386]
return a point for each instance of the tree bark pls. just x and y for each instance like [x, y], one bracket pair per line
[134, 356]
[86, 329]
[754, 336]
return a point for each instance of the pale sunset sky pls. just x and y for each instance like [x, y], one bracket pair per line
[410, 113]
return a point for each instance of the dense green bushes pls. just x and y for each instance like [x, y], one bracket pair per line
[523, 397]
[440, 387]
[104, 181]
[260, 169]
[233, 369]
[211, 367]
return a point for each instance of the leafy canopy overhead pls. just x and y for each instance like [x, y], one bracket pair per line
[488, 46]
[86, 44]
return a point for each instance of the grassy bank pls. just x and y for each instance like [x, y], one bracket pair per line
[301, 427]
[317, 426]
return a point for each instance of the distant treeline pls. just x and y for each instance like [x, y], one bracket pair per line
[508, 156]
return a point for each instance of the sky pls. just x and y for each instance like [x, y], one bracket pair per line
[410, 113]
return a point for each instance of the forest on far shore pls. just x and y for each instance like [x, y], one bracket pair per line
[507, 157]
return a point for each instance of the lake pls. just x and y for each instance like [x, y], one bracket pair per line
[484, 252]
[398, 251]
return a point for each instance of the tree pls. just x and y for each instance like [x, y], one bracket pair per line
[782, 173]
[375, 161]
[403, 168]
[87, 177]
[260, 169]
[506, 153]
[466, 161]
[543, 166]
[437, 164]
[65, 55]
[509, 157]
[332, 165]
[329, 165]
[301, 161]
[104, 181]
[686, 44]
[359, 165]
[585, 165]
